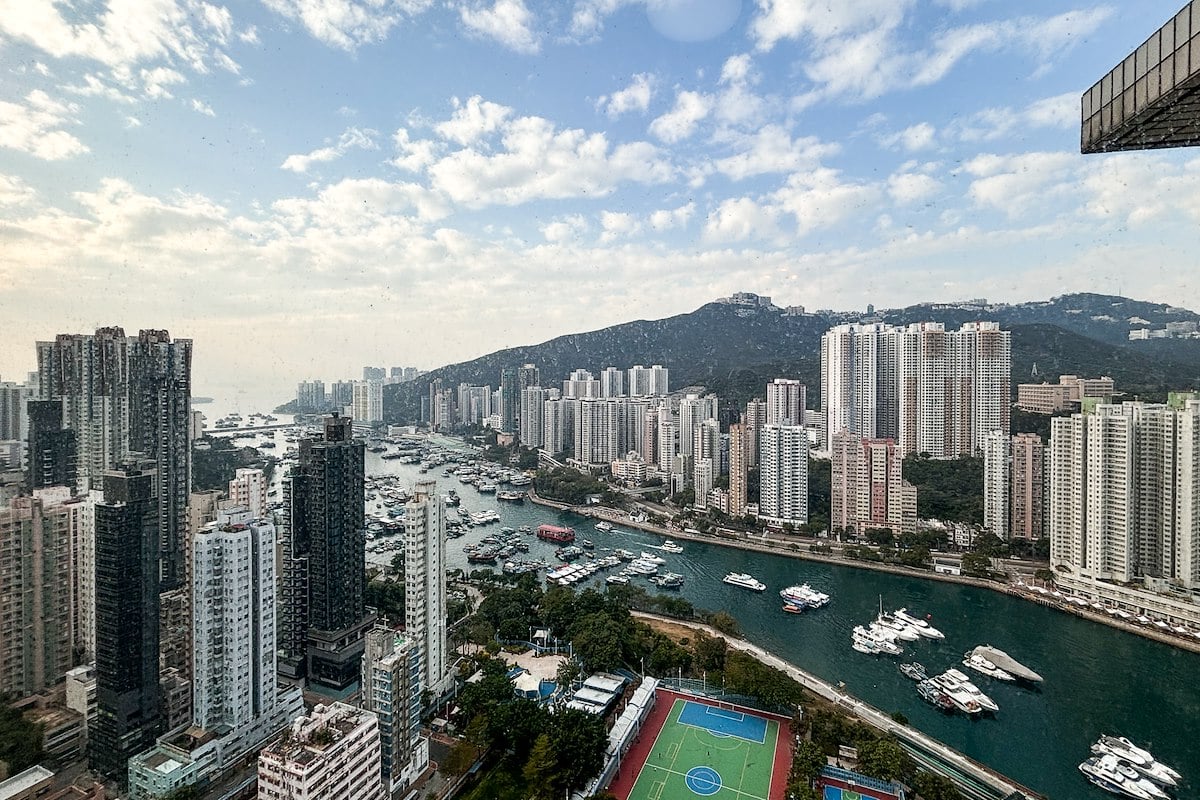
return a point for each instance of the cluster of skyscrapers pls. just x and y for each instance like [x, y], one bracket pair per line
[168, 633]
[362, 400]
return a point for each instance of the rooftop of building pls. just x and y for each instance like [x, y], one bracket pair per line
[24, 781]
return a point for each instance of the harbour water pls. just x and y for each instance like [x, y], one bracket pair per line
[1097, 679]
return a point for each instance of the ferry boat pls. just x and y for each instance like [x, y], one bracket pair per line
[741, 579]
[604, 526]
[555, 533]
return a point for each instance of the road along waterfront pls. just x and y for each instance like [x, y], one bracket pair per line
[1098, 679]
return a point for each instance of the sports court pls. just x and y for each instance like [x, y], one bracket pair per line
[708, 749]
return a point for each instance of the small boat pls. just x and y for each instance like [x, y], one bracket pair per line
[669, 580]
[671, 547]
[741, 579]
[587, 544]
[653, 558]
[604, 526]
[914, 671]
[617, 580]
[792, 608]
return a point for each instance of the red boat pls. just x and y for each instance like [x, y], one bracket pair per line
[555, 533]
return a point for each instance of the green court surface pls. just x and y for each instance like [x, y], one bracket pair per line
[712, 752]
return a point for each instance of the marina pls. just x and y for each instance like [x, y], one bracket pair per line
[1057, 721]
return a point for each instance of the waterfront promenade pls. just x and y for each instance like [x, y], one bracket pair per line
[1001, 785]
[790, 548]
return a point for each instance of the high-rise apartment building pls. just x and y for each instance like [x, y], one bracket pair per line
[127, 694]
[367, 401]
[598, 427]
[339, 397]
[325, 543]
[933, 391]
[123, 395]
[374, 373]
[310, 396]
[558, 425]
[425, 584]
[249, 489]
[612, 382]
[867, 487]
[1124, 500]
[738, 469]
[660, 384]
[510, 400]
[331, 754]
[581, 384]
[13, 397]
[706, 459]
[37, 583]
[785, 402]
[693, 410]
[391, 689]
[997, 479]
[755, 419]
[51, 460]
[474, 404]
[533, 418]
[783, 475]
[1027, 485]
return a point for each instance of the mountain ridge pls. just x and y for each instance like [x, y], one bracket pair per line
[734, 349]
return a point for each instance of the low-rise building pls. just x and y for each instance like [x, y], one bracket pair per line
[1066, 395]
[331, 754]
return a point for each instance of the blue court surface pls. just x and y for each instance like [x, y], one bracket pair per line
[724, 722]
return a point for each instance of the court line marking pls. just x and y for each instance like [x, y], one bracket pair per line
[738, 792]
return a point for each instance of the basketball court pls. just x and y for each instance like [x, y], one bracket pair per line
[711, 750]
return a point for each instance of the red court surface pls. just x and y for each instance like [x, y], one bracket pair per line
[635, 759]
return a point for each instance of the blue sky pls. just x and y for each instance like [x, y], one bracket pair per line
[307, 186]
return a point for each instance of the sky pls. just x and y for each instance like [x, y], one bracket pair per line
[304, 187]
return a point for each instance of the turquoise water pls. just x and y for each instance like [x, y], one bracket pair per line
[1098, 679]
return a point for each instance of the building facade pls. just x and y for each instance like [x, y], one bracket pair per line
[1026, 487]
[367, 401]
[785, 402]
[391, 689]
[783, 475]
[425, 584]
[867, 488]
[331, 754]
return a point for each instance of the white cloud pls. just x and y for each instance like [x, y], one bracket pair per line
[155, 82]
[667, 218]
[351, 137]
[536, 160]
[413, 155]
[565, 229]
[94, 86]
[771, 149]
[34, 127]
[822, 20]
[14, 191]
[680, 122]
[906, 188]
[1020, 184]
[617, 225]
[346, 24]
[740, 218]
[820, 198]
[587, 18]
[634, 97]
[249, 35]
[921, 136]
[133, 122]
[507, 21]
[992, 124]
[474, 119]
[201, 107]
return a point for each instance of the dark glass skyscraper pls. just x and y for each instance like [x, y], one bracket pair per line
[127, 701]
[326, 541]
[51, 458]
[510, 399]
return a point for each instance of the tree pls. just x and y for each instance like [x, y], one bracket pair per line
[977, 564]
[598, 640]
[20, 739]
[807, 760]
[931, 786]
[710, 652]
[541, 771]
[578, 741]
[725, 623]
[460, 759]
[880, 536]
[886, 760]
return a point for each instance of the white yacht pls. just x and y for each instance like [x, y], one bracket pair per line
[981, 665]
[987, 703]
[958, 694]
[652, 558]
[1104, 771]
[671, 547]
[805, 595]
[873, 638]
[903, 630]
[1139, 758]
[744, 580]
[919, 625]
[604, 525]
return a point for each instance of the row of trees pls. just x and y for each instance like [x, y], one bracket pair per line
[568, 485]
